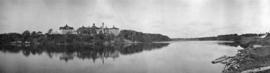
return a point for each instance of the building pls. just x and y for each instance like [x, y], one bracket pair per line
[88, 30]
[115, 31]
[98, 30]
[67, 30]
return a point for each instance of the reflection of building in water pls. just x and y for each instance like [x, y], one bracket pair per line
[106, 55]
[67, 30]
[67, 56]
[82, 52]
[90, 55]
[98, 30]
[102, 55]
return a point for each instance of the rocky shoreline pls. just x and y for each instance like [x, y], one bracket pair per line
[253, 58]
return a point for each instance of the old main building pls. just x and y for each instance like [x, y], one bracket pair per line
[90, 30]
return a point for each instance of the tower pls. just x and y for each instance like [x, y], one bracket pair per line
[102, 25]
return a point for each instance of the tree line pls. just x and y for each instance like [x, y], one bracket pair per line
[35, 37]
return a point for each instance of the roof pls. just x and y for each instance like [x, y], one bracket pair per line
[66, 27]
[94, 26]
[114, 27]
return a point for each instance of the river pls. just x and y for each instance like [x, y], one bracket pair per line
[170, 57]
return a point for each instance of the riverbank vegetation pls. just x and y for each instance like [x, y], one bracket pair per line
[242, 39]
[36, 38]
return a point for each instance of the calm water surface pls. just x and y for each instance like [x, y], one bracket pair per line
[174, 57]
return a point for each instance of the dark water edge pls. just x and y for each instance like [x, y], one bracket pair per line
[172, 57]
[93, 52]
[252, 59]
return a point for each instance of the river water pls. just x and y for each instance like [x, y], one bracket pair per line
[170, 57]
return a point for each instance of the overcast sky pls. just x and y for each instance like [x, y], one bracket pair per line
[175, 18]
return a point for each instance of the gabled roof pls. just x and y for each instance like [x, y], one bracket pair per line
[66, 28]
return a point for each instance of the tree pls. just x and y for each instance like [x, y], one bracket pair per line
[39, 32]
[26, 35]
[49, 31]
[34, 33]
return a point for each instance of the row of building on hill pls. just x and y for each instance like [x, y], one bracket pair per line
[93, 30]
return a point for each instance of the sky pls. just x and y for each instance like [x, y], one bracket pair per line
[174, 18]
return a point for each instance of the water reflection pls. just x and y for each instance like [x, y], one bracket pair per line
[69, 52]
[251, 59]
[176, 57]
